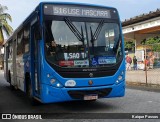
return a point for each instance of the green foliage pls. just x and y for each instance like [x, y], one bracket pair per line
[129, 45]
[156, 48]
[152, 41]
[4, 26]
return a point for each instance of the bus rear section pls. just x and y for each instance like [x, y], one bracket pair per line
[82, 53]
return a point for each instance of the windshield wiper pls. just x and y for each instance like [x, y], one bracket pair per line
[119, 43]
[79, 35]
[96, 34]
[98, 30]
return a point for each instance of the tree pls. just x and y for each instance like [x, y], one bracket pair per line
[154, 42]
[4, 26]
[129, 45]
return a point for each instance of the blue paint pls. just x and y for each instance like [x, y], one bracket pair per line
[57, 91]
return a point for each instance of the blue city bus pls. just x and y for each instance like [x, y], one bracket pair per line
[67, 51]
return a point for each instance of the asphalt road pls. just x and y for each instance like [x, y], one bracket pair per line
[135, 101]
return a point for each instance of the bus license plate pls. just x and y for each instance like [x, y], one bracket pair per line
[90, 97]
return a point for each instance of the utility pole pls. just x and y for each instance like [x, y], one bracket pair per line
[146, 65]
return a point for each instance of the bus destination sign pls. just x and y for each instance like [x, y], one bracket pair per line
[66, 10]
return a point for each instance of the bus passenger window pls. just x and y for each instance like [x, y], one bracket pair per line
[26, 39]
[20, 43]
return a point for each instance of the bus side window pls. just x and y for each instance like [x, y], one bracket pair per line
[10, 49]
[7, 52]
[20, 43]
[26, 38]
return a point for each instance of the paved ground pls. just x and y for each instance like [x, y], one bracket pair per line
[135, 101]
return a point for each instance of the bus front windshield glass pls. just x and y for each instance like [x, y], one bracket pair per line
[82, 44]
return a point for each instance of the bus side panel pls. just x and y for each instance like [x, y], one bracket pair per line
[14, 63]
[26, 60]
[20, 72]
[10, 62]
[5, 63]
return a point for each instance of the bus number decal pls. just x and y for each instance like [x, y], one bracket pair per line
[74, 55]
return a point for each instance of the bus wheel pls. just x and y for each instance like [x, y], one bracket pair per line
[12, 87]
[9, 78]
[29, 91]
[31, 98]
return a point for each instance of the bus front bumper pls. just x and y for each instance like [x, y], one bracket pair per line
[52, 94]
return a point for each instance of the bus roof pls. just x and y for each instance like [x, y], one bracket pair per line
[42, 3]
[27, 19]
[73, 3]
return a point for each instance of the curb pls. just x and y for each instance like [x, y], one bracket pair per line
[143, 86]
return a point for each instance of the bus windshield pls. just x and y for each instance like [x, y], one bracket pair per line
[82, 44]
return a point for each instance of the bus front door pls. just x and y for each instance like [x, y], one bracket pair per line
[35, 61]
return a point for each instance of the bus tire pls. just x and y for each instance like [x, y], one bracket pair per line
[9, 80]
[32, 100]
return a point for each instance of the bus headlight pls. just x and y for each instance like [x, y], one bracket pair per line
[122, 73]
[58, 85]
[117, 81]
[120, 77]
[52, 81]
[55, 83]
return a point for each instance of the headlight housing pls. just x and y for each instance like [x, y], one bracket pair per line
[120, 77]
[53, 81]
[56, 83]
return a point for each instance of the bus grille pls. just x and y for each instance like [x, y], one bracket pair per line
[79, 94]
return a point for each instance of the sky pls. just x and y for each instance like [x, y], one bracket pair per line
[20, 9]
